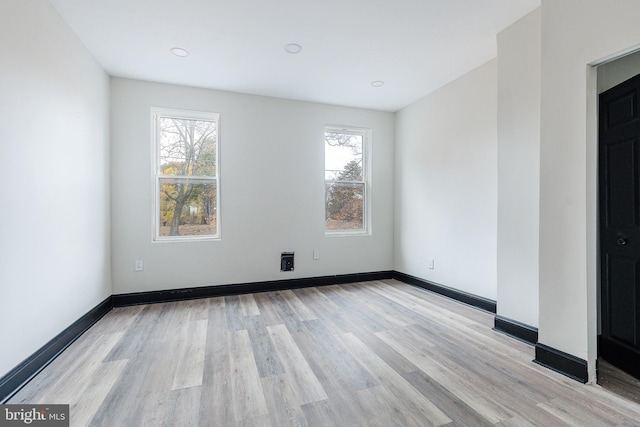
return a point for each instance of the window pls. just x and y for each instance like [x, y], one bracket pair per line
[346, 177]
[186, 183]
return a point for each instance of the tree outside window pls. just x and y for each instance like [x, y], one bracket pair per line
[186, 175]
[345, 180]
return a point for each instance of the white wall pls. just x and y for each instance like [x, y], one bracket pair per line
[519, 169]
[446, 184]
[54, 251]
[272, 191]
[575, 33]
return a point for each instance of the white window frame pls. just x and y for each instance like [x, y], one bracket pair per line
[366, 134]
[156, 114]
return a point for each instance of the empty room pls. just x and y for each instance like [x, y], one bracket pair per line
[337, 213]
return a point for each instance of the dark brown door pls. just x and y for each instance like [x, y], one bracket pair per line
[619, 200]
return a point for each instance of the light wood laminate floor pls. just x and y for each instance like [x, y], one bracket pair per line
[378, 353]
[618, 381]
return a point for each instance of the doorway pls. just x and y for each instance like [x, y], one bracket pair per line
[619, 225]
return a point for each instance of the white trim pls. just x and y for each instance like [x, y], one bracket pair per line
[367, 139]
[178, 113]
[615, 56]
[346, 233]
[156, 113]
[192, 177]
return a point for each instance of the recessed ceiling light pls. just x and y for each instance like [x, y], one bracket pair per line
[178, 51]
[293, 48]
[377, 83]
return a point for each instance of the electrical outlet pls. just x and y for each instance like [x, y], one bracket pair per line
[432, 264]
[139, 265]
[316, 254]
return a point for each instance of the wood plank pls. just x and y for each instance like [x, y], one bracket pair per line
[184, 408]
[455, 408]
[317, 301]
[288, 316]
[390, 356]
[85, 365]
[282, 401]
[417, 408]
[142, 330]
[117, 320]
[575, 412]
[347, 367]
[246, 391]
[233, 309]
[597, 396]
[61, 378]
[343, 400]
[351, 311]
[140, 396]
[425, 307]
[198, 308]
[133, 400]
[190, 364]
[394, 314]
[519, 422]
[305, 382]
[474, 314]
[385, 409]
[267, 360]
[83, 409]
[259, 421]
[248, 305]
[216, 302]
[268, 314]
[472, 396]
[301, 310]
[320, 414]
[512, 386]
[216, 407]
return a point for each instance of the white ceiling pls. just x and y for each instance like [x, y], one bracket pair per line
[414, 46]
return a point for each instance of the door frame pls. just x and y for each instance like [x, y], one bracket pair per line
[594, 284]
[592, 220]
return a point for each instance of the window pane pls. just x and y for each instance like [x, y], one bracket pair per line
[344, 204]
[187, 147]
[188, 207]
[342, 156]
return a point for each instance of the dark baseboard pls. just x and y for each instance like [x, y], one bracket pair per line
[15, 379]
[564, 363]
[515, 329]
[137, 298]
[464, 297]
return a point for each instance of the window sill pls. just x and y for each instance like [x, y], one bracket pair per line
[186, 239]
[347, 233]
